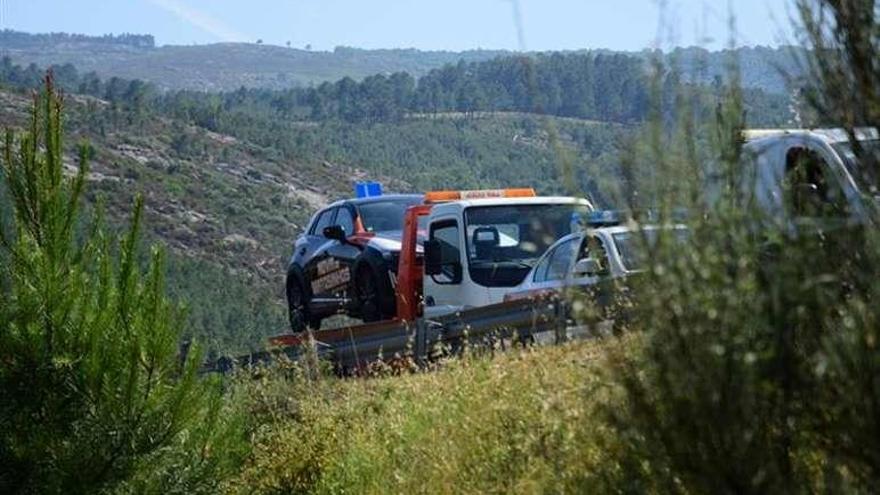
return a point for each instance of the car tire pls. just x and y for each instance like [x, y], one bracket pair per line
[369, 295]
[298, 312]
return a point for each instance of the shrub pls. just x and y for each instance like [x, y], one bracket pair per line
[759, 367]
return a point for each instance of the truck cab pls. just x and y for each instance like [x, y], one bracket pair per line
[481, 246]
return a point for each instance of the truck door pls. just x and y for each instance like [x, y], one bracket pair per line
[443, 291]
[813, 188]
[800, 183]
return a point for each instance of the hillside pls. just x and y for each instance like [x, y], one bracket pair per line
[228, 66]
[228, 208]
[221, 66]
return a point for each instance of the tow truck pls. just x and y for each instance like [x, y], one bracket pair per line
[462, 252]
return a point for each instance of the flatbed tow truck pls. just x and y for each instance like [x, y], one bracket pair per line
[462, 252]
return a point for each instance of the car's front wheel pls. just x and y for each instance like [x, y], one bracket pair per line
[369, 295]
[298, 309]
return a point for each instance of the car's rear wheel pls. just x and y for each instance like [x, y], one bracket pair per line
[369, 295]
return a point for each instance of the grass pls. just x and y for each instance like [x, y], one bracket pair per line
[523, 422]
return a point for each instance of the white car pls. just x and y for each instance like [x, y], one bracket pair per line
[584, 259]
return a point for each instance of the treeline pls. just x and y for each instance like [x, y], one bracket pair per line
[594, 86]
[16, 39]
[135, 93]
[588, 86]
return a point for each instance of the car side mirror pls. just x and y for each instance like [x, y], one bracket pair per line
[433, 257]
[336, 233]
[586, 267]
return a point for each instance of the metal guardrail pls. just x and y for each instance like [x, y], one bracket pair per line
[545, 320]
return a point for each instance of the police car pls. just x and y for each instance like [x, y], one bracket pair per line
[346, 261]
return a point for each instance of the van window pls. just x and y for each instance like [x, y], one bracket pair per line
[812, 190]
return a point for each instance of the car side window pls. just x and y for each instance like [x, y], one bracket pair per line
[560, 261]
[555, 264]
[811, 188]
[325, 219]
[593, 247]
[541, 269]
[345, 220]
[448, 235]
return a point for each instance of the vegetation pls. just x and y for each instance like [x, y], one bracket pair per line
[749, 362]
[759, 366]
[96, 394]
[523, 422]
[229, 66]
[222, 66]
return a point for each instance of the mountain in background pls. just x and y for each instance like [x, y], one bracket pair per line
[220, 66]
[229, 66]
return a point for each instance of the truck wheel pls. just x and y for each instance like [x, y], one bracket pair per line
[368, 296]
[298, 309]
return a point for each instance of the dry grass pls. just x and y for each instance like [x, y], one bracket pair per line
[526, 421]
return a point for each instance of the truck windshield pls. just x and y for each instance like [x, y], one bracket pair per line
[863, 167]
[385, 216]
[504, 242]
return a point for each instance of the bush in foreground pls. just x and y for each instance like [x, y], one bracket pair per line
[95, 397]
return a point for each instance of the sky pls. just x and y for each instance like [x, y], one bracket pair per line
[428, 25]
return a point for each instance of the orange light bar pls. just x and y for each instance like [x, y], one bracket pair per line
[440, 196]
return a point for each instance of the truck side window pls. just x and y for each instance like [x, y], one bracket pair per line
[812, 190]
[447, 233]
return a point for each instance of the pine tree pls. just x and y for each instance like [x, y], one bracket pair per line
[91, 384]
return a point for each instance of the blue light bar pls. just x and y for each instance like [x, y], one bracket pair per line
[367, 189]
[604, 218]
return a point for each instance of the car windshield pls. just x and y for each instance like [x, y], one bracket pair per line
[863, 167]
[504, 242]
[385, 216]
[630, 245]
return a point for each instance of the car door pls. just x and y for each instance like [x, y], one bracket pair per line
[312, 239]
[344, 256]
[319, 265]
[599, 288]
